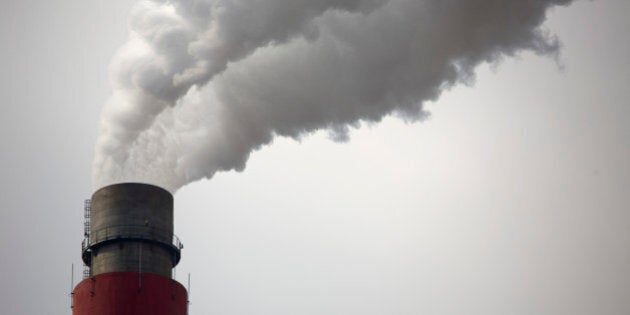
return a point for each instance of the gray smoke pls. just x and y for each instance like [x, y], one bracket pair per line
[201, 84]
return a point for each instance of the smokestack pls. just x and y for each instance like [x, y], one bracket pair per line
[129, 253]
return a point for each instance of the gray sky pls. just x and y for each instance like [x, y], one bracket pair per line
[511, 199]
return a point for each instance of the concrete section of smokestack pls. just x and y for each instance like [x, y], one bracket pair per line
[130, 250]
[130, 222]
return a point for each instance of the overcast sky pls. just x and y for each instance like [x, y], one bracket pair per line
[512, 198]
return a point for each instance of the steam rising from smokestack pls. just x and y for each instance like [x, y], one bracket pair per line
[200, 84]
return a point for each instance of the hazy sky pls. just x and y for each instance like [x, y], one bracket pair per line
[512, 198]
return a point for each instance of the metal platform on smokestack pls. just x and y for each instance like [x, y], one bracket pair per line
[129, 251]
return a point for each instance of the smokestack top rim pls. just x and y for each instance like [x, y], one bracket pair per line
[131, 184]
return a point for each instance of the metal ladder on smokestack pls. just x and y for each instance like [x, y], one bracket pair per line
[87, 206]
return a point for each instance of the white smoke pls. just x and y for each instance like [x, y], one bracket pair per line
[201, 84]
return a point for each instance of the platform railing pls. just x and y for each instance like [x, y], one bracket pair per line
[131, 231]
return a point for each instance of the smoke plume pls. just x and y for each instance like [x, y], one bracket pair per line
[200, 84]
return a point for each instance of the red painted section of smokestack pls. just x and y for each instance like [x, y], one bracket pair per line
[129, 293]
